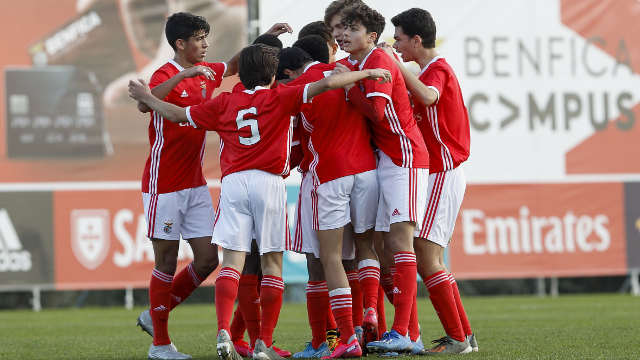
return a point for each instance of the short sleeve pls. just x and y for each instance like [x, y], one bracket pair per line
[435, 79]
[373, 87]
[219, 69]
[292, 98]
[158, 77]
[207, 115]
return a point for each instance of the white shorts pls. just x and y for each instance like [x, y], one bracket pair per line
[349, 199]
[446, 191]
[305, 240]
[252, 203]
[187, 212]
[403, 193]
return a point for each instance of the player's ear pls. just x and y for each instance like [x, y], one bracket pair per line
[373, 37]
[180, 44]
[289, 73]
[334, 48]
[416, 40]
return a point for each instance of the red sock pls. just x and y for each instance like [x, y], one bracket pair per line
[356, 297]
[369, 277]
[331, 321]
[159, 300]
[386, 281]
[444, 303]
[405, 282]
[226, 293]
[382, 319]
[414, 325]
[340, 300]
[237, 325]
[271, 303]
[249, 305]
[183, 285]
[317, 305]
[463, 314]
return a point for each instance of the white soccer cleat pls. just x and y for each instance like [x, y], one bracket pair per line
[262, 352]
[166, 352]
[145, 323]
[225, 348]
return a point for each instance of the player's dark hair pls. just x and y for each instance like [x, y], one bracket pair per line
[336, 8]
[372, 20]
[292, 58]
[268, 39]
[258, 63]
[183, 25]
[417, 22]
[316, 28]
[315, 46]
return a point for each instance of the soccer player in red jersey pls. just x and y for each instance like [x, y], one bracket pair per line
[443, 120]
[402, 167]
[176, 199]
[255, 127]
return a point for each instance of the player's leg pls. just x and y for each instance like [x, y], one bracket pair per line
[445, 198]
[247, 316]
[378, 243]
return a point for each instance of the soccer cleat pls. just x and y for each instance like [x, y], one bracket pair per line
[417, 347]
[145, 323]
[370, 325]
[309, 352]
[448, 345]
[473, 342]
[350, 350]
[242, 348]
[166, 352]
[332, 339]
[359, 335]
[225, 348]
[262, 352]
[281, 352]
[391, 341]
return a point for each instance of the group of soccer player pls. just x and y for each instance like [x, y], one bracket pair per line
[379, 149]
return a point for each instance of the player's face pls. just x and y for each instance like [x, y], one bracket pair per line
[403, 44]
[355, 38]
[196, 47]
[337, 29]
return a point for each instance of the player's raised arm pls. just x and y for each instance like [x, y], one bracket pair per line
[426, 95]
[336, 81]
[139, 90]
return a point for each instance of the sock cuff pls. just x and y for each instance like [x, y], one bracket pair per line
[368, 263]
[352, 275]
[369, 273]
[452, 279]
[316, 287]
[436, 279]
[229, 272]
[340, 291]
[392, 270]
[272, 281]
[194, 275]
[161, 276]
[404, 257]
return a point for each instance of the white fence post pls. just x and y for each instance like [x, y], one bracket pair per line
[128, 298]
[554, 287]
[635, 282]
[37, 305]
[542, 292]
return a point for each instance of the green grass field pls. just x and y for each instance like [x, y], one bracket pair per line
[568, 327]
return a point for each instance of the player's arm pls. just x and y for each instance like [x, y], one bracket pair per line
[336, 81]
[277, 29]
[139, 91]
[427, 95]
[162, 90]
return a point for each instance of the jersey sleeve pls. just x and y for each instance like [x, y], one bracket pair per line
[435, 80]
[292, 98]
[373, 87]
[219, 69]
[207, 115]
[158, 77]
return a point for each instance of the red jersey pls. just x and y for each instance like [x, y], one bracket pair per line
[175, 158]
[340, 142]
[444, 124]
[255, 127]
[398, 137]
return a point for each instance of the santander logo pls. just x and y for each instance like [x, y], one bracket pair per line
[526, 233]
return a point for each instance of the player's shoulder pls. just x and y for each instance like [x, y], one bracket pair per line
[379, 59]
[239, 87]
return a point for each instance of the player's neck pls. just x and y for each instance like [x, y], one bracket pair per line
[359, 55]
[182, 61]
[424, 56]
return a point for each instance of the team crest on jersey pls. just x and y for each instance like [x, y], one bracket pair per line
[418, 117]
[167, 226]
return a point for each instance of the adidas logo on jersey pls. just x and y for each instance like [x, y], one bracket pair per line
[395, 213]
[396, 290]
[160, 308]
[12, 257]
[184, 94]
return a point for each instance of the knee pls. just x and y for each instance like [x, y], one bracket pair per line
[206, 263]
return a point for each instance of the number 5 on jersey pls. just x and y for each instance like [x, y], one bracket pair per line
[253, 123]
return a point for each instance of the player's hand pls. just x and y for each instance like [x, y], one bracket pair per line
[138, 90]
[280, 28]
[382, 75]
[199, 70]
[389, 50]
[339, 69]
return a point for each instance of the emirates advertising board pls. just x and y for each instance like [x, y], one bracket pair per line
[553, 95]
